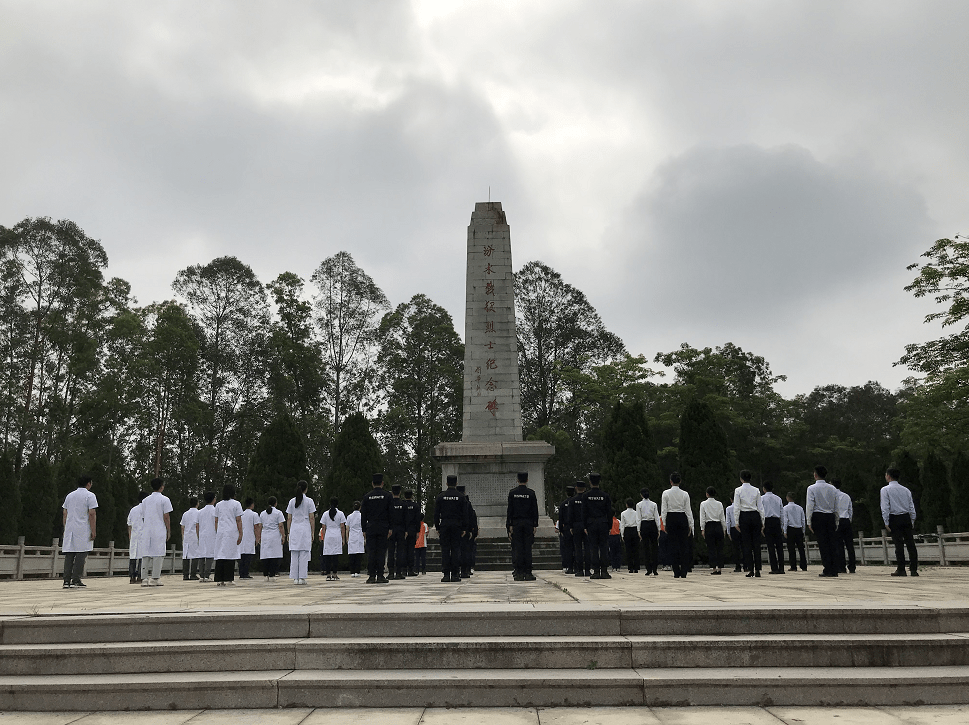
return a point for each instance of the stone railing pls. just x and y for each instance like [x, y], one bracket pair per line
[938, 548]
[21, 561]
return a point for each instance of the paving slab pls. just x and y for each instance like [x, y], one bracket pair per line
[478, 715]
[707, 715]
[40, 718]
[179, 717]
[365, 716]
[598, 716]
[931, 714]
[844, 716]
[292, 716]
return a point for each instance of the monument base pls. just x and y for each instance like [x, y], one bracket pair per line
[488, 471]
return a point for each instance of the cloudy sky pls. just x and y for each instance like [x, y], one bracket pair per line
[752, 172]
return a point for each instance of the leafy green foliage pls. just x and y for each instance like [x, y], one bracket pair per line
[356, 457]
[40, 502]
[277, 464]
[10, 504]
[936, 494]
[704, 456]
[959, 477]
[629, 454]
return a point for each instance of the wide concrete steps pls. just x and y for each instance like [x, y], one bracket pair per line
[495, 555]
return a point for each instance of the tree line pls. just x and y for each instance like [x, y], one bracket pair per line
[261, 384]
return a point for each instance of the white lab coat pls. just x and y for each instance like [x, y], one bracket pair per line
[227, 533]
[272, 541]
[190, 542]
[136, 520]
[300, 535]
[77, 528]
[355, 543]
[153, 539]
[207, 532]
[250, 519]
[333, 538]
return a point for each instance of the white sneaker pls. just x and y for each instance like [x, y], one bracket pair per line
[146, 582]
[157, 583]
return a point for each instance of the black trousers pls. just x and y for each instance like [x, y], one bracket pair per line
[615, 550]
[583, 563]
[225, 570]
[411, 540]
[795, 540]
[376, 551]
[355, 563]
[270, 567]
[824, 529]
[630, 536]
[650, 534]
[450, 536]
[331, 563]
[522, 537]
[901, 526]
[466, 545]
[73, 566]
[845, 546]
[713, 534]
[190, 568]
[397, 552]
[599, 546]
[750, 526]
[678, 532]
[245, 561]
[568, 550]
[737, 544]
[775, 542]
[420, 560]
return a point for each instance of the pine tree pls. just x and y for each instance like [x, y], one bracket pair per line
[39, 500]
[356, 457]
[960, 492]
[9, 501]
[277, 464]
[936, 494]
[629, 454]
[704, 455]
[911, 478]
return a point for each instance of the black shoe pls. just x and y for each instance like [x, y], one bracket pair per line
[749, 574]
[773, 571]
[606, 575]
[718, 572]
[79, 583]
[518, 578]
[757, 573]
[446, 579]
[595, 576]
[371, 580]
[579, 574]
[570, 570]
[914, 573]
[529, 577]
[793, 568]
[400, 576]
[899, 572]
[68, 585]
[383, 580]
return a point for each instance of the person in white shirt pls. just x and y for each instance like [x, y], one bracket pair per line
[822, 517]
[136, 521]
[156, 533]
[272, 534]
[299, 519]
[190, 541]
[794, 531]
[677, 517]
[773, 527]
[80, 528]
[844, 543]
[713, 524]
[736, 540]
[649, 525]
[228, 536]
[250, 535]
[898, 513]
[356, 545]
[748, 512]
[207, 537]
[333, 534]
[629, 525]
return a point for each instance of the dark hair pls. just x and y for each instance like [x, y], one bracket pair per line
[790, 495]
[142, 495]
[768, 486]
[333, 502]
[193, 502]
[836, 482]
[821, 471]
[356, 505]
[894, 474]
[249, 502]
[711, 491]
[745, 476]
[209, 496]
[644, 492]
[228, 492]
[300, 490]
[157, 483]
[408, 494]
[630, 503]
[270, 502]
[595, 479]
[675, 478]
[83, 481]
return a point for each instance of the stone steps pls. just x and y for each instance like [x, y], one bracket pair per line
[495, 555]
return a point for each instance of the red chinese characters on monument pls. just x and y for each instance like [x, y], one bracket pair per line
[488, 250]
[492, 407]
[490, 288]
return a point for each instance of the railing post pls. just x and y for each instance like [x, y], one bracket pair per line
[53, 559]
[885, 546]
[942, 559]
[19, 574]
[110, 558]
[861, 546]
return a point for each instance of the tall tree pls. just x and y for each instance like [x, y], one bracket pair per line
[960, 492]
[278, 461]
[704, 456]
[40, 502]
[356, 457]
[348, 306]
[936, 494]
[629, 460]
[911, 478]
[10, 498]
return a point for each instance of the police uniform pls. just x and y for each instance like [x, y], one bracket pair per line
[451, 522]
[375, 522]
[565, 532]
[521, 521]
[412, 524]
[580, 540]
[467, 541]
[597, 521]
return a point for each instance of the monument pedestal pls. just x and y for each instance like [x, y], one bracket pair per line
[488, 471]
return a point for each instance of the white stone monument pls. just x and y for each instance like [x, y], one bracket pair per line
[491, 451]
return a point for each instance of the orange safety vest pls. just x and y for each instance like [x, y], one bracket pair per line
[614, 531]
[420, 543]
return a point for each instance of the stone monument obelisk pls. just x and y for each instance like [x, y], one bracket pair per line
[491, 451]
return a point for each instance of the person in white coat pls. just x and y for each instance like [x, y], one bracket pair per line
[228, 535]
[300, 522]
[272, 534]
[155, 535]
[190, 541]
[80, 528]
[355, 541]
[136, 522]
[207, 537]
[250, 534]
[333, 534]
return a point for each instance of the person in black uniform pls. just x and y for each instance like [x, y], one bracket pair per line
[597, 521]
[579, 537]
[397, 544]
[375, 522]
[412, 524]
[565, 531]
[467, 541]
[522, 523]
[451, 522]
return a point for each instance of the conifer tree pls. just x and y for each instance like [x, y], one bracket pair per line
[629, 453]
[39, 501]
[911, 478]
[960, 492]
[356, 457]
[278, 463]
[936, 494]
[9, 501]
[704, 456]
